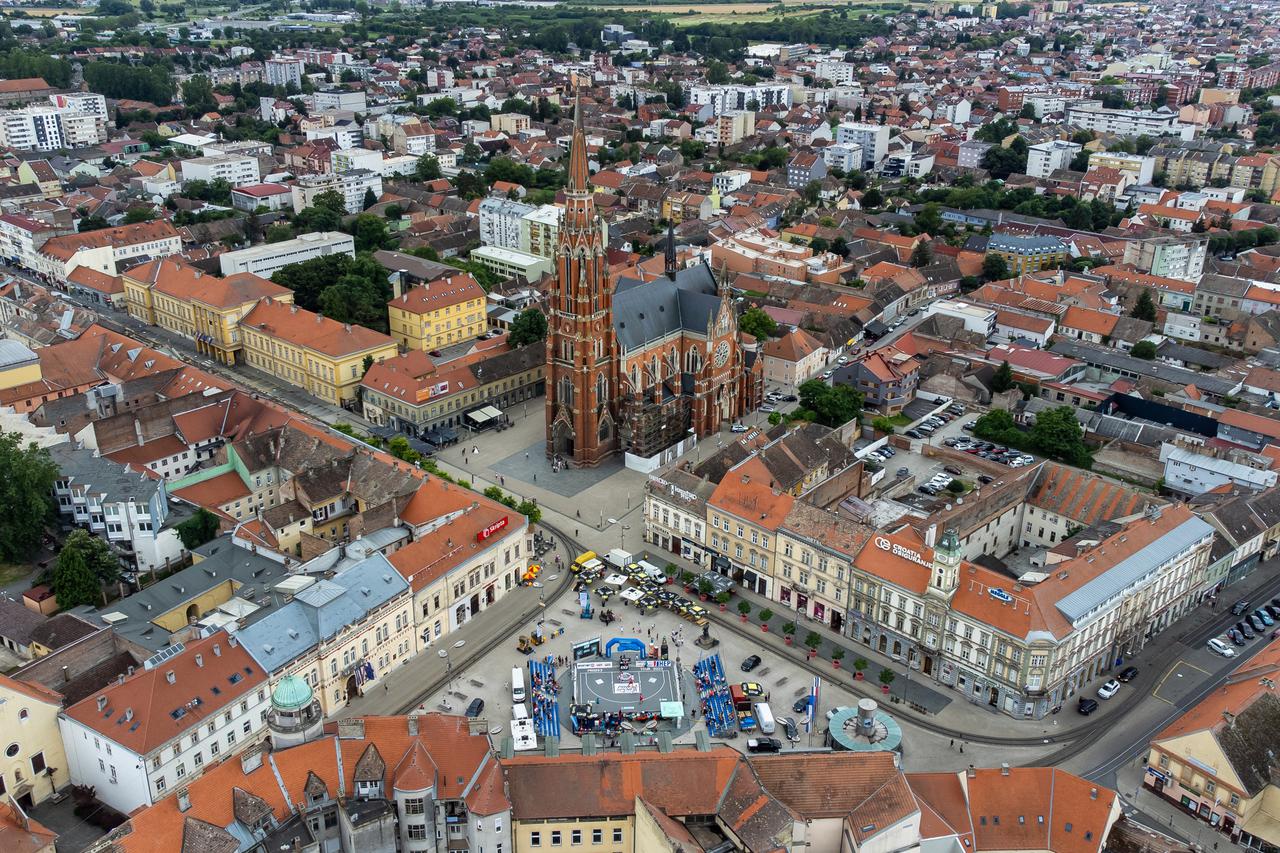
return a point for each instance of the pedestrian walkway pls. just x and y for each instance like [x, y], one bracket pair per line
[1148, 808]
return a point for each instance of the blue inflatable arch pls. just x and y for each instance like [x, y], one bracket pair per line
[625, 644]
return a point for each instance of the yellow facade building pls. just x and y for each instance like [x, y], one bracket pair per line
[439, 313]
[323, 357]
[34, 764]
[204, 308]
[18, 365]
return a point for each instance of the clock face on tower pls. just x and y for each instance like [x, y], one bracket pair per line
[722, 353]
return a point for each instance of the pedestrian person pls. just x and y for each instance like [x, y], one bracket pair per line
[952, 745]
[535, 478]
[962, 747]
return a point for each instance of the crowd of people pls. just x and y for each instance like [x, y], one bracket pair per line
[543, 695]
[713, 693]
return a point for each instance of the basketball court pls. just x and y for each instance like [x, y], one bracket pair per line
[626, 686]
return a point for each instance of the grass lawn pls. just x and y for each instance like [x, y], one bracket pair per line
[13, 572]
[900, 419]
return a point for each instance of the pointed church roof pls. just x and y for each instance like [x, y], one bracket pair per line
[578, 151]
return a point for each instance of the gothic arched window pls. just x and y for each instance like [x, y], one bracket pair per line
[566, 391]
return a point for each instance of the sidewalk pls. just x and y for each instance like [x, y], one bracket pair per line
[1145, 806]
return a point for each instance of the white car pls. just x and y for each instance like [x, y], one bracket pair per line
[1217, 646]
[768, 407]
[1109, 689]
[738, 428]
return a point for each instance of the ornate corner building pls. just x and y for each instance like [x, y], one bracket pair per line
[635, 365]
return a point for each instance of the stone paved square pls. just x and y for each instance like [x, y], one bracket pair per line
[524, 464]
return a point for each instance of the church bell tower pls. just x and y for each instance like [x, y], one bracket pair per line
[582, 353]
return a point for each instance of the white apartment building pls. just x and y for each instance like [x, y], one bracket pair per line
[873, 139]
[352, 186]
[1170, 257]
[500, 222]
[730, 180]
[146, 736]
[1162, 122]
[675, 513]
[1045, 158]
[351, 159]
[235, 169]
[283, 70]
[540, 231]
[838, 72]
[127, 508]
[1190, 473]
[350, 100]
[1142, 168]
[727, 98]
[108, 249]
[976, 318]
[76, 120]
[265, 259]
[845, 157]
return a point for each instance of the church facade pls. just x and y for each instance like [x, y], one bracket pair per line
[635, 365]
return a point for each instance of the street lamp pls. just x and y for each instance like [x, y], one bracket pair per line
[448, 670]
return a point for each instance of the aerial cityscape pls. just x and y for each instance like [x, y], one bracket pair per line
[507, 426]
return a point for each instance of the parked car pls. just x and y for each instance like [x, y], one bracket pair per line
[1109, 689]
[914, 433]
[1241, 606]
[791, 730]
[1217, 646]
[1258, 625]
[791, 398]
[985, 478]
[764, 744]
[1129, 673]
[738, 428]
[1262, 614]
[801, 705]
[476, 708]
[1087, 706]
[768, 408]
[751, 663]
[1235, 636]
[952, 470]
[1246, 629]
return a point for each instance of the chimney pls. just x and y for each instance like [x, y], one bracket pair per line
[413, 725]
[1093, 793]
[184, 799]
[1004, 769]
[128, 714]
[102, 703]
[66, 675]
[199, 659]
[971, 773]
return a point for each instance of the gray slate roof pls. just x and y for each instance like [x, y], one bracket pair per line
[646, 311]
[321, 611]
[111, 480]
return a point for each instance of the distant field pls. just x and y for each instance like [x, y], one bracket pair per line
[730, 13]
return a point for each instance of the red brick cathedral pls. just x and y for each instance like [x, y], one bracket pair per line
[635, 365]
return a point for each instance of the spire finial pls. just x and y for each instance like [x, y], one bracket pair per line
[671, 249]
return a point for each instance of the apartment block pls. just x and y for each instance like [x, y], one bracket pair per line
[1045, 158]
[265, 259]
[441, 312]
[234, 169]
[872, 138]
[352, 186]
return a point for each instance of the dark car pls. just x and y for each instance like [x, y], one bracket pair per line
[791, 729]
[1257, 623]
[751, 663]
[764, 744]
[952, 470]
[1273, 610]
[985, 478]
[476, 708]
[801, 705]
[912, 433]
[1246, 629]
[1239, 607]
[1129, 673]
[1087, 706]
[791, 398]
[1235, 636]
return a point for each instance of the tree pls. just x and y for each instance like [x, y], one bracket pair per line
[1058, 435]
[872, 199]
[103, 564]
[1003, 379]
[330, 200]
[197, 95]
[27, 475]
[1028, 111]
[369, 199]
[198, 529]
[73, 581]
[370, 232]
[717, 72]
[994, 267]
[427, 168]
[921, 255]
[831, 405]
[1145, 308]
[928, 219]
[1145, 350]
[529, 326]
[755, 322]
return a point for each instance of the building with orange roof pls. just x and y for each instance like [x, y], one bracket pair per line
[793, 358]
[886, 377]
[205, 309]
[438, 313]
[106, 250]
[759, 251]
[1088, 325]
[1132, 573]
[458, 569]
[139, 739]
[362, 785]
[1217, 760]
[744, 514]
[97, 286]
[325, 358]
[35, 766]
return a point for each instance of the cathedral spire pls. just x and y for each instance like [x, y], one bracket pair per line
[577, 149]
[671, 250]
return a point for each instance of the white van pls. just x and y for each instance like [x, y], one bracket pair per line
[518, 712]
[517, 685]
[764, 716]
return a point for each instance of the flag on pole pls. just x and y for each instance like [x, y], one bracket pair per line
[813, 703]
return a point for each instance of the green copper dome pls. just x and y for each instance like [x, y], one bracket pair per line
[291, 694]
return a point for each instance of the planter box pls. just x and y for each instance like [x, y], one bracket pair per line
[743, 617]
[884, 688]
[765, 627]
[787, 639]
[857, 676]
[835, 663]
